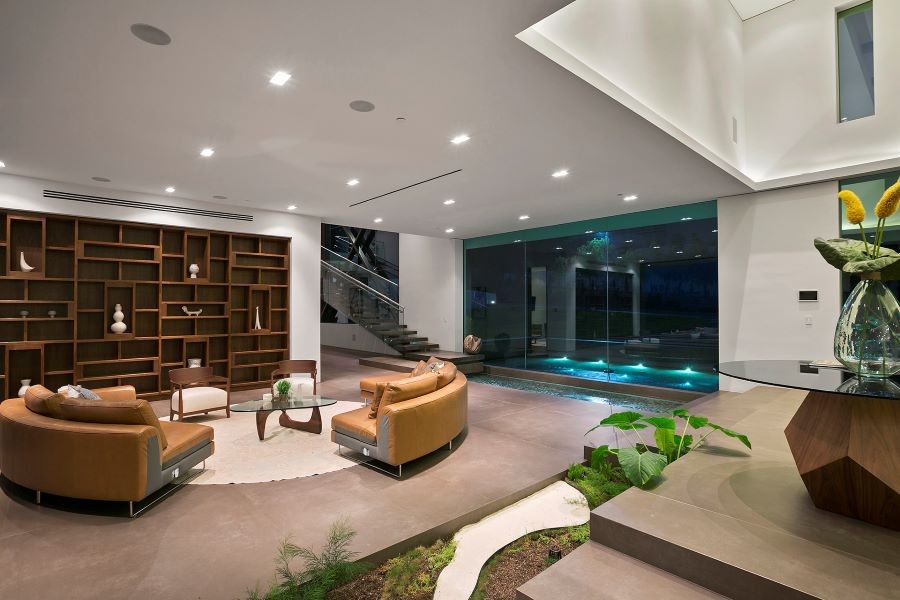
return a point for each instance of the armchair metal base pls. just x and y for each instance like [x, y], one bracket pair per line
[372, 463]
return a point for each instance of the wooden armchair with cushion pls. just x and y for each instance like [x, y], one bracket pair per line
[290, 369]
[196, 392]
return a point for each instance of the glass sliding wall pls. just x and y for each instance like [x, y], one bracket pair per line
[630, 299]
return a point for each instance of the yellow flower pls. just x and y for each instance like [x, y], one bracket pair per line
[889, 201]
[853, 206]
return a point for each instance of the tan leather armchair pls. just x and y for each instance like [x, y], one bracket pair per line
[405, 430]
[77, 458]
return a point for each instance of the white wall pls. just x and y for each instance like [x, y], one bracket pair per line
[431, 288]
[354, 337]
[23, 193]
[791, 94]
[766, 255]
[677, 64]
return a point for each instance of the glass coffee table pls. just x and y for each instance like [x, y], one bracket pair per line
[263, 408]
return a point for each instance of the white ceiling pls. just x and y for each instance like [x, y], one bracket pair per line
[747, 9]
[81, 97]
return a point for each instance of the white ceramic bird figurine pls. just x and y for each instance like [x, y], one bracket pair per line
[191, 313]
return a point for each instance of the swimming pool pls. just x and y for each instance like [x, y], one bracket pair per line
[686, 378]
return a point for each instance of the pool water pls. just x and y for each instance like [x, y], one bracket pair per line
[613, 399]
[638, 374]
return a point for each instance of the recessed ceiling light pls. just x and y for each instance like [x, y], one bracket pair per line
[715, 231]
[697, 255]
[221, 197]
[353, 182]
[656, 247]
[207, 152]
[642, 260]
[170, 189]
[679, 252]
[449, 201]
[619, 257]
[378, 219]
[2, 164]
[628, 241]
[559, 247]
[687, 218]
[524, 217]
[448, 230]
[560, 173]
[362, 106]
[292, 207]
[280, 78]
[460, 139]
[102, 179]
[630, 197]
[150, 34]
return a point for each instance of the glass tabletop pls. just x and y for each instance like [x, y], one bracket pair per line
[275, 404]
[801, 375]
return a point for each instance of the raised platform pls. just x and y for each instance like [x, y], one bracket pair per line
[741, 524]
[467, 363]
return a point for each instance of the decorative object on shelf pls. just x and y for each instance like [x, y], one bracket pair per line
[472, 344]
[194, 269]
[867, 335]
[193, 363]
[24, 314]
[26, 383]
[191, 313]
[24, 265]
[282, 389]
[257, 326]
[118, 317]
[51, 314]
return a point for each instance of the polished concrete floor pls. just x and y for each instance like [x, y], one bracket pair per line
[217, 541]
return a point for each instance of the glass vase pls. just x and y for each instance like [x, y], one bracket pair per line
[867, 336]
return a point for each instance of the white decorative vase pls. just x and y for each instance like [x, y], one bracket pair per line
[26, 383]
[194, 269]
[258, 326]
[118, 316]
[24, 265]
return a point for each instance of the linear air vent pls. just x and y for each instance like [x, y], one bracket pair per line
[412, 185]
[146, 206]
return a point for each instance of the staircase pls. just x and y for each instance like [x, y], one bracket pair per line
[371, 301]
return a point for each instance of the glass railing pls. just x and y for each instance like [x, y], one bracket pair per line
[367, 277]
[363, 304]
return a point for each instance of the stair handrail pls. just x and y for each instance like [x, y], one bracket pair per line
[357, 265]
[360, 284]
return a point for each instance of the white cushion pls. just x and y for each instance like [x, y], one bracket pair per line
[300, 386]
[201, 398]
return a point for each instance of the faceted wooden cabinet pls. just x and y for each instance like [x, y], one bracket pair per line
[55, 318]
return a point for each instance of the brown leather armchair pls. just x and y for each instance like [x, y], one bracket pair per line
[79, 450]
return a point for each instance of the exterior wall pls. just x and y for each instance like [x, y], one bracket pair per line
[24, 193]
[431, 288]
[766, 255]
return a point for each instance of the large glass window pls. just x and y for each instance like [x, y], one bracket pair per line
[631, 299]
[856, 62]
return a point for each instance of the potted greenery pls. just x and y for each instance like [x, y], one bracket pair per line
[868, 331]
[643, 462]
[282, 390]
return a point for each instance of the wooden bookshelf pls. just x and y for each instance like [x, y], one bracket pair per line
[84, 267]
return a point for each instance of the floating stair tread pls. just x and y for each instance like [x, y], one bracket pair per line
[600, 573]
[389, 363]
[457, 358]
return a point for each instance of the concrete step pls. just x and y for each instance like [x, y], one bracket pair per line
[457, 358]
[401, 339]
[600, 573]
[389, 363]
[414, 347]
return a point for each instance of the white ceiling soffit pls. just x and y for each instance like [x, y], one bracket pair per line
[747, 9]
[82, 97]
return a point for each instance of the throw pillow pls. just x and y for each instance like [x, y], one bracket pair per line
[124, 412]
[446, 374]
[76, 391]
[407, 389]
[420, 369]
[42, 401]
[376, 401]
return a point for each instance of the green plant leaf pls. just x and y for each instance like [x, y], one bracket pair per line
[838, 252]
[641, 467]
[697, 422]
[733, 434]
[685, 442]
[599, 456]
[622, 418]
[680, 412]
[665, 442]
[661, 422]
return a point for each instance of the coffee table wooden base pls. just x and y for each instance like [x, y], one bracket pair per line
[314, 425]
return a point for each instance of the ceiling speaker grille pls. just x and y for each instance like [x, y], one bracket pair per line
[214, 214]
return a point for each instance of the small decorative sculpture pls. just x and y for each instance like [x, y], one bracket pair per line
[191, 313]
[24, 265]
[23, 314]
[472, 344]
[258, 326]
[195, 362]
[194, 269]
[26, 383]
[51, 314]
[118, 317]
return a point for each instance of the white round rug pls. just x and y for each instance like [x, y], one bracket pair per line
[240, 457]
